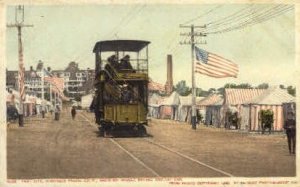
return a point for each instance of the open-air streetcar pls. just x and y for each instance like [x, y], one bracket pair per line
[121, 85]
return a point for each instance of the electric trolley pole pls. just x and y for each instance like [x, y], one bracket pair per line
[192, 42]
[19, 24]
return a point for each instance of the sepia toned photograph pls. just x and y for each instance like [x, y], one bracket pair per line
[167, 94]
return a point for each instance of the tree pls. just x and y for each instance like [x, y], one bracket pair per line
[182, 89]
[230, 85]
[291, 90]
[263, 86]
[244, 85]
[201, 93]
[221, 90]
[281, 86]
[211, 91]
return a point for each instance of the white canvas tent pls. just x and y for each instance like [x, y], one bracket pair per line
[169, 106]
[154, 102]
[272, 99]
[86, 101]
[211, 109]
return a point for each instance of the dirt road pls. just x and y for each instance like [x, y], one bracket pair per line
[68, 148]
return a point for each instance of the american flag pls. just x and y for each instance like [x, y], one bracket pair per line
[57, 82]
[57, 85]
[21, 82]
[213, 65]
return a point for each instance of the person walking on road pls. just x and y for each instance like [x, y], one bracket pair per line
[290, 129]
[43, 112]
[73, 112]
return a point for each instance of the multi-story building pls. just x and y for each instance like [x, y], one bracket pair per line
[77, 82]
[11, 79]
[32, 82]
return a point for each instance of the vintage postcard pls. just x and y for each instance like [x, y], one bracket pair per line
[152, 93]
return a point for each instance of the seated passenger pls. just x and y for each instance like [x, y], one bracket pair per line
[126, 94]
[125, 63]
[113, 61]
[113, 65]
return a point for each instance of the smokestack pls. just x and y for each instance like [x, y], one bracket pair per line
[169, 83]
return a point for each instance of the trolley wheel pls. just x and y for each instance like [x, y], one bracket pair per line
[142, 130]
[101, 131]
[107, 130]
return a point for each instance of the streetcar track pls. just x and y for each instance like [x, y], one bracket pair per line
[134, 157]
[82, 115]
[127, 152]
[168, 149]
[189, 158]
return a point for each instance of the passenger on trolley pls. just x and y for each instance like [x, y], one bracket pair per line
[125, 63]
[113, 61]
[126, 94]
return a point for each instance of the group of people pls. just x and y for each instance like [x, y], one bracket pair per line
[123, 65]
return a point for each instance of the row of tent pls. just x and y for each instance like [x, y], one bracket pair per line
[246, 103]
[173, 107]
[31, 106]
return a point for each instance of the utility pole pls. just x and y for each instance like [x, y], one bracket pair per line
[192, 42]
[19, 24]
[50, 89]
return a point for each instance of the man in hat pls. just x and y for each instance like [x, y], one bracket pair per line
[113, 61]
[125, 63]
[290, 128]
[126, 94]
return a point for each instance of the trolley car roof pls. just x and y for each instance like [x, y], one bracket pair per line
[120, 45]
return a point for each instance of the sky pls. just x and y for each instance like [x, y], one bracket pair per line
[264, 52]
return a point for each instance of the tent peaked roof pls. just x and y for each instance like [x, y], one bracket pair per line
[274, 96]
[187, 100]
[154, 86]
[236, 96]
[172, 100]
[213, 99]
[154, 99]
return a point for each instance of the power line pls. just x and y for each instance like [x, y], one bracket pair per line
[129, 13]
[244, 13]
[246, 17]
[204, 14]
[255, 20]
[126, 19]
[84, 53]
[133, 14]
[234, 15]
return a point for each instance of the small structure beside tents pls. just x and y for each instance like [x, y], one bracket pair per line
[185, 108]
[211, 109]
[154, 102]
[248, 103]
[169, 106]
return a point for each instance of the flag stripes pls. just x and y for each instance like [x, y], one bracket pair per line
[213, 65]
[21, 82]
[56, 82]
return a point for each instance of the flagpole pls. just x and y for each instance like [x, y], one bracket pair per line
[193, 79]
[50, 87]
[43, 97]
